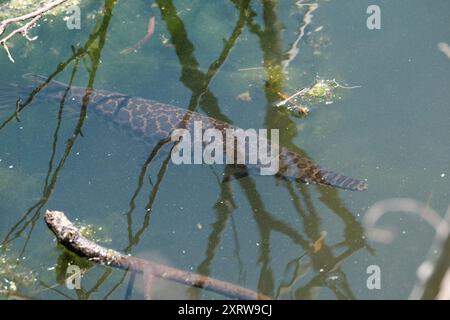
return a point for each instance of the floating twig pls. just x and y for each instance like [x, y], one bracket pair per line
[322, 91]
[299, 93]
[251, 68]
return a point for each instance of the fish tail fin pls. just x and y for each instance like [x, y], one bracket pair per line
[338, 180]
[302, 169]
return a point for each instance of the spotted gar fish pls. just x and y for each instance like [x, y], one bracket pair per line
[153, 121]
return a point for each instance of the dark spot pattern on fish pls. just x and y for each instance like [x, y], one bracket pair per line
[153, 121]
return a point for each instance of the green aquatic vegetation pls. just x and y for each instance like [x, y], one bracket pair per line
[323, 91]
[66, 259]
[93, 232]
[13, 275]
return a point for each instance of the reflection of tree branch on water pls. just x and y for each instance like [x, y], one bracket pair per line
[199, 91]
[223, 208]
[271, 45]
[198, 82]
[92, 48]
[134, 237]
[224, 205]
[50, 180]
[434, 273]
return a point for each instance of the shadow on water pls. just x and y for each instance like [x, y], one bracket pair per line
[326, 262]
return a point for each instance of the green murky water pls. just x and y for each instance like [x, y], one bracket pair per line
[229, 60]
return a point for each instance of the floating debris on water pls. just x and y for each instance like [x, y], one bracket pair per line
[322, 91]
[318, 29]
[244, 96]
[13, 275]
[335, 279]
[303, 110]
[251, 69]
[92, 232]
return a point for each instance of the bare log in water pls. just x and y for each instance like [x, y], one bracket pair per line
[70, 236]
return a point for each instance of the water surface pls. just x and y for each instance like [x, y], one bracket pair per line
[393, 131]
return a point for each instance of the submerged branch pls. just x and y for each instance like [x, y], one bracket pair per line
[70, 236]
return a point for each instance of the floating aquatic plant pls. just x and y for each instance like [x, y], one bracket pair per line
[322, 91]
[93, 232]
